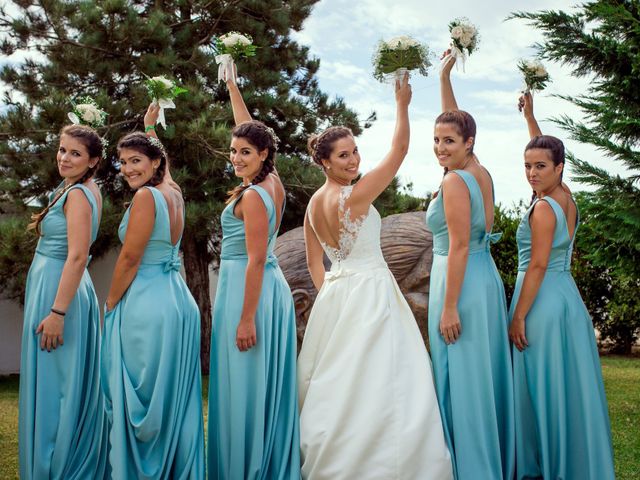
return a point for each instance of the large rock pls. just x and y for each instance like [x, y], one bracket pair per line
[406, 246]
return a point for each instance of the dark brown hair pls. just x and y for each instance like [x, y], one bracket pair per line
[262, 138]
[321, 146]
[554, 147]
[91, 140]
[153, 149]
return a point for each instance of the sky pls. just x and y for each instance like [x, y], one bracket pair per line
[344, 34]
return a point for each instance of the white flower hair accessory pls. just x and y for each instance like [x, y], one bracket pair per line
[274, 137]
[156, 143]
[105, 146]
[87, 112]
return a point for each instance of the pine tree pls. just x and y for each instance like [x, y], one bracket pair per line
[103, 49]
[601, 40]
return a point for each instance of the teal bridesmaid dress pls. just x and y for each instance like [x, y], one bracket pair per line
[473, 376]
[253, 399]
[562, 422]
[151, 366]
[62, 425]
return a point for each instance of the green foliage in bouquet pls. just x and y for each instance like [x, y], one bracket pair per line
[397, 53]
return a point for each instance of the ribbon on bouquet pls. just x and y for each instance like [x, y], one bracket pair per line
[457, 54]
[225, 68]
[163, 103]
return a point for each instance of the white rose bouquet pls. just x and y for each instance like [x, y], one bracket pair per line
[228, 48]
[163, 91]
[86, 112]
[535, 75]
[399, 55]
[464, 38]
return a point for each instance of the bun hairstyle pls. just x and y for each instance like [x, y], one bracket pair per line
[150, 147]
[321, 146]
[553, 145]
[92, 141]
[262, 138]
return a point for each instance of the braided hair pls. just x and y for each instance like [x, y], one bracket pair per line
[555, 149]
[91, 140]
[262, 138]
[321, 146]
[150, 147]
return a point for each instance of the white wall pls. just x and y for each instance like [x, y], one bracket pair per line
[11, 312]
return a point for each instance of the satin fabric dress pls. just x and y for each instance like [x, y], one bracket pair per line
[151, 366]
[62, 425]
[562, 421]
[473, 375]
[368, 407]
[253, 411]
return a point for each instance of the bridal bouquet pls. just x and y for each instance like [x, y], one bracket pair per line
[230, 47]
[86, 112]
[464, 38]
[535, 75]
[162, 91]
[399, 55]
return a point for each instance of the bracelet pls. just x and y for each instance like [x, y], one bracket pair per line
[59, 312]
[149, 127]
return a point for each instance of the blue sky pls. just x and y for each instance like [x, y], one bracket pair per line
[344, 34]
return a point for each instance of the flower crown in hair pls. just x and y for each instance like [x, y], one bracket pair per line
[105, 145]
[156, 143]
[274, 137]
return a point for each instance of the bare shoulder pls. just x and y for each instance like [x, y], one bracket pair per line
[453, 183]
[542, 210]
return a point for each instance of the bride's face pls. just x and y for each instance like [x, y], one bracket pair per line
[449, 146]
[344, 161]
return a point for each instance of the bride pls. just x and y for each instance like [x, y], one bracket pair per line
[368, 407]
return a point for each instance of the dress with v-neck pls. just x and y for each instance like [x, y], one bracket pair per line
[150, 365]
[473, 375]
[253, 400]
[562, 421]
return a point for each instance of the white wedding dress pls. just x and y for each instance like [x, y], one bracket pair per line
[368, 407]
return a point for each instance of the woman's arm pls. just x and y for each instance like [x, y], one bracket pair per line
[150, 120]
[374, 183]
[525, 104]
[457, 211]
[256, 227]
[314, 253]
[240, 112]
[139, 229]
[447, 97]
[77, 211]
[543, 224]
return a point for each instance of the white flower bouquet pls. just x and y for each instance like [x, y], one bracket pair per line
[535, 75]
[399, 55]
[86, 112]
[163, 91]
[464, 38]
[228, 48]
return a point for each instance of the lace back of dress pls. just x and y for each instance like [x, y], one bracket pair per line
[349, 229]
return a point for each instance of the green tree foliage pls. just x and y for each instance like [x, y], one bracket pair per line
[505, 252]
[601, 40]
[103, 49]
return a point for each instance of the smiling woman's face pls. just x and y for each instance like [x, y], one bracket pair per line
[136, 168]
[449, 146]
[73, 158]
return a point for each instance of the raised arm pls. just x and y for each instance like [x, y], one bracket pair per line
[525, 105]
[141, 220]
[150, 119]
[240, 112]
[446, 89]
[373, 183]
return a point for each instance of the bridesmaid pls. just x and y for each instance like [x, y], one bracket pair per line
[150, 350]
[62, 425]
[467, 305]
[253, 410]
[562, 422]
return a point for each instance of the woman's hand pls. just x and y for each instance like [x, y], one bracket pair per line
[403, 91]
[447, 65]
[151, 117]
[51, 329]
[525, 105]
[450, 327]
[517, 333]
[246, 334]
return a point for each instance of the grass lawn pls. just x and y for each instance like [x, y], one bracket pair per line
[621, 378]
